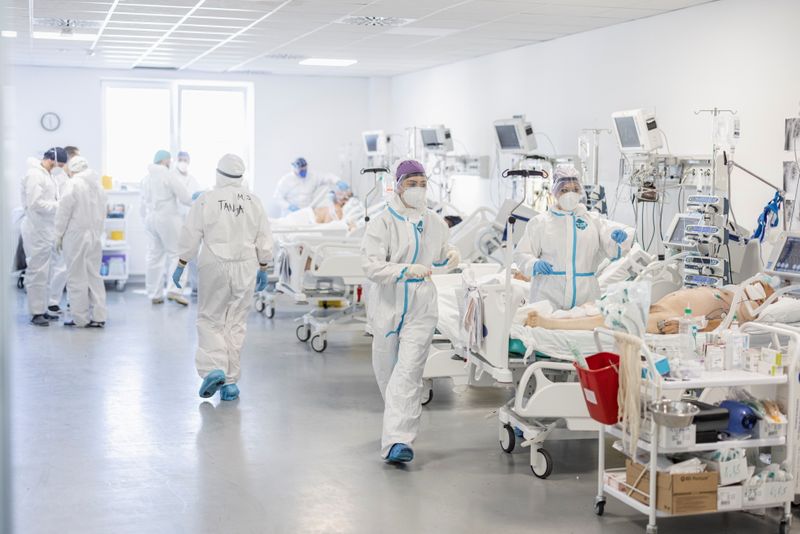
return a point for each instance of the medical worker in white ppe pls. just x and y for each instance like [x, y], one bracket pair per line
[297, 189]
[40, 200]
[162, 191]
[400, 247]
[232, 226]
[181, 170]
[79, 229]
[562, 248]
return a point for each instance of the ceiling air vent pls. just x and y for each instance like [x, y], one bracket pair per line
[67, 25]
[386, 22]
[284, 57]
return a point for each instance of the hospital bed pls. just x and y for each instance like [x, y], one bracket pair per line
[320, 267]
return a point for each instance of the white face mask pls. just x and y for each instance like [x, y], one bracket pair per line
[183, 166]
[569, 201]
[416, 197]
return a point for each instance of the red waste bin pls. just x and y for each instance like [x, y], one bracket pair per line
[600, 384]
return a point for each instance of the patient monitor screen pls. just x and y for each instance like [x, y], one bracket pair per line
[678, 236]
[626, 129]
[429, 138]
[789, 258]
[507, 137]
[371, 141]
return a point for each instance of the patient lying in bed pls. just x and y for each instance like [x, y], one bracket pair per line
[705, 302]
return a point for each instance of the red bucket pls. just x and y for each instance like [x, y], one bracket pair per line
[600, 383]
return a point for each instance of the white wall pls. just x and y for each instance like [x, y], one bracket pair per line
[738, 54]
[320, 118]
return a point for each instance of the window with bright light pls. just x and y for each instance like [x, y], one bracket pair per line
[213, 122]
[137, 124]
[210, 121]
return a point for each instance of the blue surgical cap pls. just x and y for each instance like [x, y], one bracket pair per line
[300, 162]
[183, 155]
[57, 154]
[341, 185]
[160, 156]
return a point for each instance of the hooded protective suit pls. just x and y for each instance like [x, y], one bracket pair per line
[574, 243]
[402, 311]
[161, 193]
[232, 226]
[58, 267]
[299, 192]
[40, 200]
[79, 226]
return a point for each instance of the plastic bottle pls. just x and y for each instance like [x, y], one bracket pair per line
[687, 329]
[736, 343]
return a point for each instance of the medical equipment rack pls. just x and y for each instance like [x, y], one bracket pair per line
[721, 379]
[115, 247]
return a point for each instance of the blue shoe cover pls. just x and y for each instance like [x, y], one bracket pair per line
[211, 383]
[400, 453]
[229, 392]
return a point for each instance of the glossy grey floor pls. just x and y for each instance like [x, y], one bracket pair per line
[111, 437]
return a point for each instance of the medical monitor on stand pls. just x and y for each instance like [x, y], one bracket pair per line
[636, 131]
[677, 230]
[515, 136]
[374, 143]
[784, 261]
[436, 139]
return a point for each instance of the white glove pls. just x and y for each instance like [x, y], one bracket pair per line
[417, 271]
[453, 258]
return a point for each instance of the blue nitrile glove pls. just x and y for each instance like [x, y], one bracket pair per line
[196, 195]
[542, 267]
[261, 280]
[619, 236]
[292, 207]
[176, 276]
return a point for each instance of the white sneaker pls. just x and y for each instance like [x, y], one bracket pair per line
[177, 297]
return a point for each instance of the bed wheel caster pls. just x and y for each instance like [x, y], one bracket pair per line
[599, 507]
[427, 396]
[303, 333]
[260, 306]
[270, 312]
[508, 438]
[21, 282]
[541, 463]
[784, 527]
[319, 343]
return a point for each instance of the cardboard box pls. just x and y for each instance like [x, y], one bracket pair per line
[675, 494]
[731, 472]
[768, 494]
[615, 480]
[769, 430]
[752, 357]
[729, 498]
[766, 368]
[772, 356]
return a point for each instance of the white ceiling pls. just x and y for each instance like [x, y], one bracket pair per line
[272, 35]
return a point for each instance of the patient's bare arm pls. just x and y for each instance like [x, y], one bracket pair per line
[579, 323]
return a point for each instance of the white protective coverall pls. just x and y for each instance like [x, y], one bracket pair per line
[79, 223]
[232, 225]
[192, 186]
[574, 243]
[161, 193]
[39, 199]
[402, 312]
[58, 266]
[295, 191]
